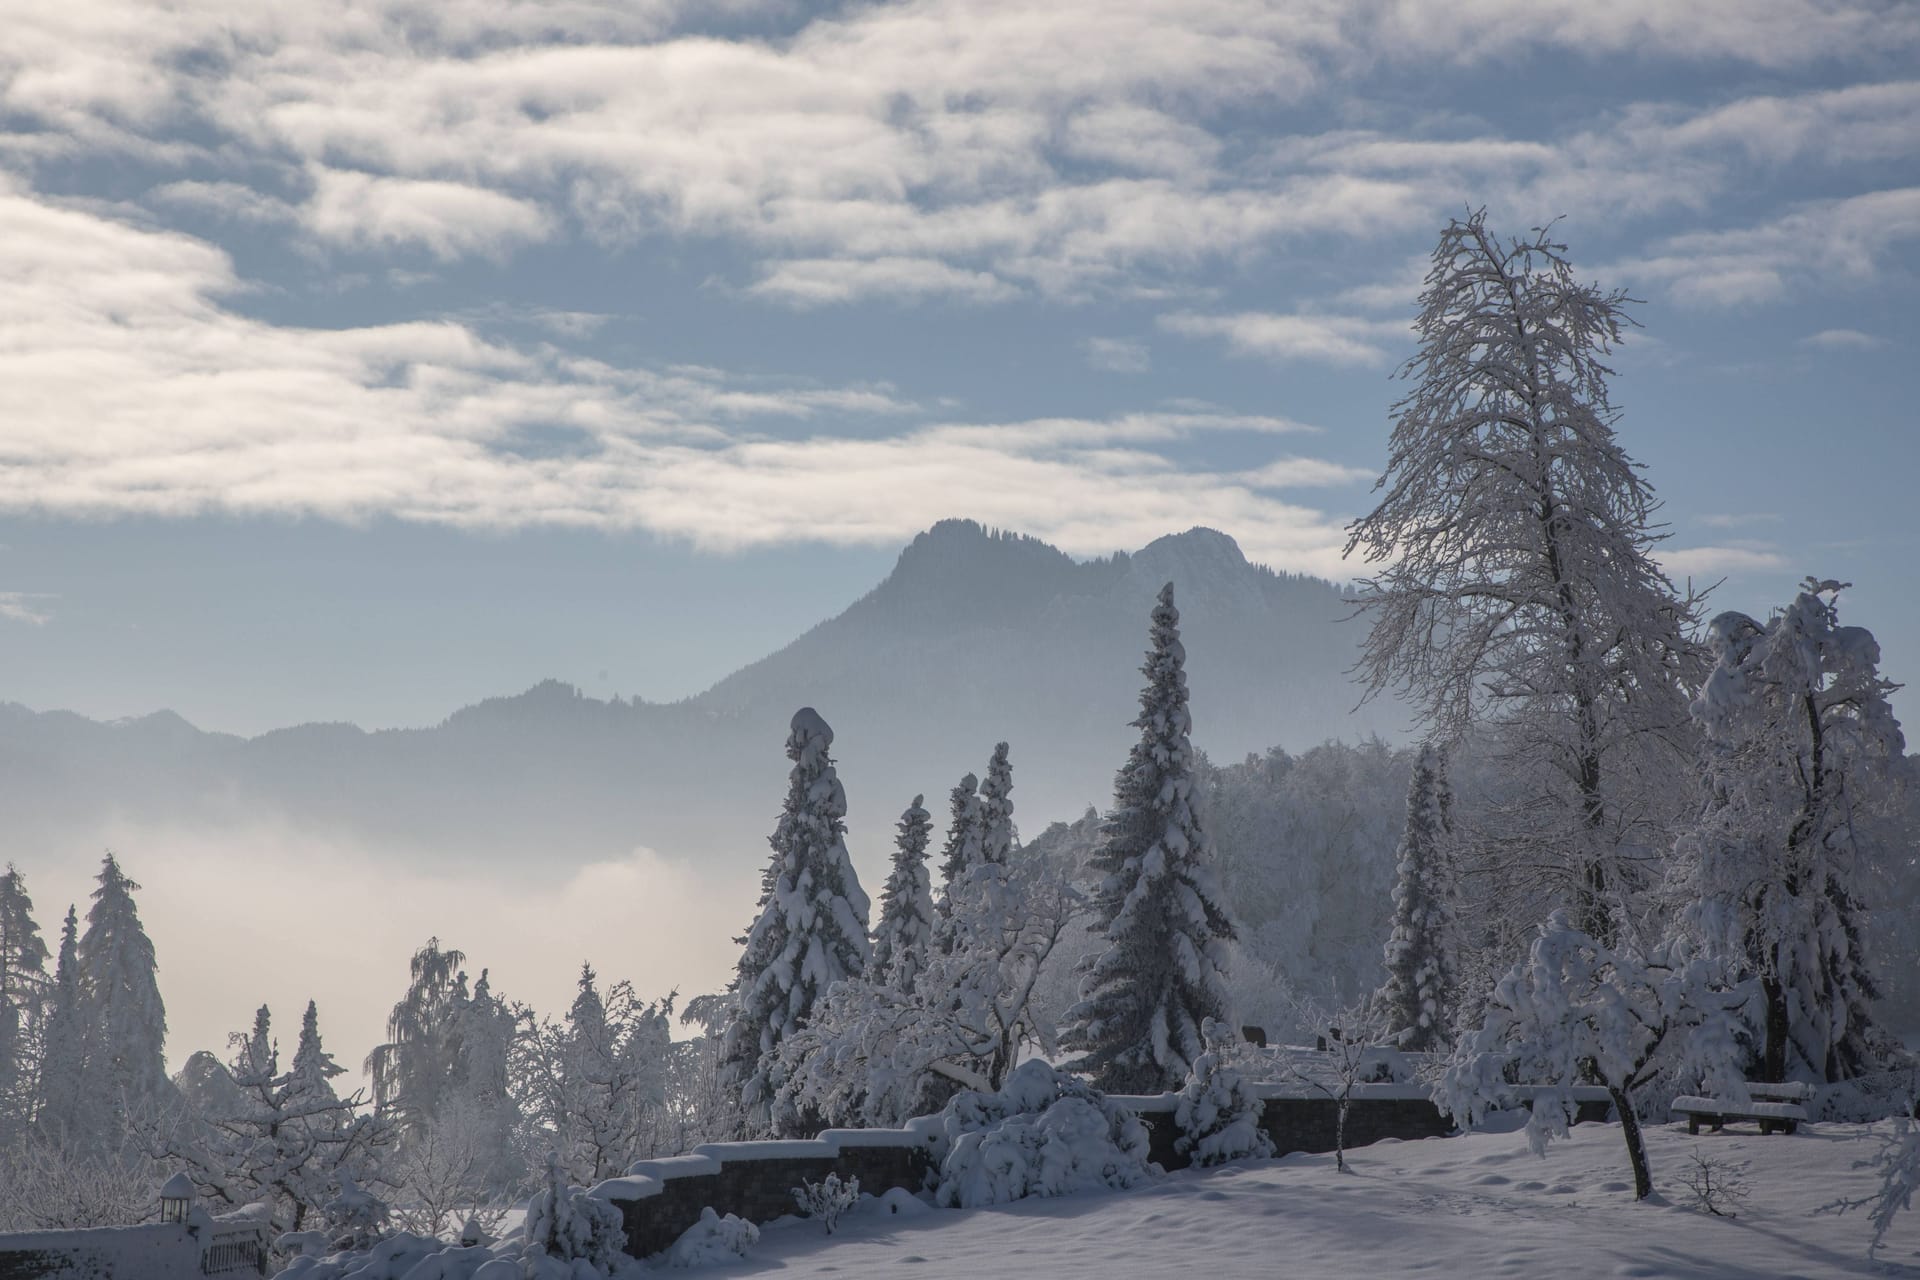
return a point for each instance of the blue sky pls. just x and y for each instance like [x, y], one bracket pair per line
[360, 360]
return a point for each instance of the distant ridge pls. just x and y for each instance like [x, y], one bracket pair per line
[975, 636]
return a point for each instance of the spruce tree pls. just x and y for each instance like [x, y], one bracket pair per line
[313, 1067]
[996, 809]
[64, 1056]
[1147, 995]
[906, 904]
[812, 929]
[1417, 1000]
[125, 1072]
[23, 996]
[963, 831]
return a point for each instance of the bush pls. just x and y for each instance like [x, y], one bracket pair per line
[828, 1199]
[1043, 1134]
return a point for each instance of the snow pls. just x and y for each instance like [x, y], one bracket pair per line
[1478, 1205]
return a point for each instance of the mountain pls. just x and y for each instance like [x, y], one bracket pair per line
[974, 637]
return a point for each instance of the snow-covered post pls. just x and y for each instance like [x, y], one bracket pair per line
[1575, 1011]
[1162, 973]
[176, 1198]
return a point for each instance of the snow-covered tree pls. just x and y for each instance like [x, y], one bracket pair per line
[1218, 1113]
[567, 1224]
[124, 1070]
[962, 848]
[1575, 1012]
[412, 1071]
[59, 1118]
[1417, 999]
[874, 1054]
[596, 1081]
[812, 928]
[23, 998]
[906, 905]
[996, 808]
[1520, 584]
[1803, 751]
[281, 1138]
[1161, 974]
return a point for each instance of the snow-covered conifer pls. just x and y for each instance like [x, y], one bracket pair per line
[1802, 751]
[1520, 584]
[906, 904]
[1417, 999]
[812, 930]
[23, 996]
[962, 848]
[1161, 974]
[64, 1053]
[313, 1067]
[996, 809]
[125, 1066]
[1218, 1113]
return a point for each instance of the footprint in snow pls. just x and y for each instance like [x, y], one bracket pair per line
[1615, 1186]
[1492, 1180]
[1214, 1195]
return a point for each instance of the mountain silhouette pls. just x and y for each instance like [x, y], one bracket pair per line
[975, 636]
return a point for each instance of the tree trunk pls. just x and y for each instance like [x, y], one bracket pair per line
[1636, 1143]
[1773, 1059]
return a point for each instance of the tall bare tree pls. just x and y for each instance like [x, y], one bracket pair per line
[1518, 587]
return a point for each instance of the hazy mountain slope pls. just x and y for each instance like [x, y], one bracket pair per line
[972, 638]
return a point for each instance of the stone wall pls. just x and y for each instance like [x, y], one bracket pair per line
[660, 1199]
[170, 1251]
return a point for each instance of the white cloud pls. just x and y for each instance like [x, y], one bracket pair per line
[1711, 561]
[816, 282]
[448, 219]
[1822, 242]
[1737, 519]
[1843, 340]
[25, 606]
[131, 389]
[1335, 340]
[1117, 355]
[664, 920]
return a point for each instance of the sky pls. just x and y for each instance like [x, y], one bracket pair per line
[362, 360]
[359, 360]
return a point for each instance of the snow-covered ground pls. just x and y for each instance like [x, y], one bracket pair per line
[1479, 1205]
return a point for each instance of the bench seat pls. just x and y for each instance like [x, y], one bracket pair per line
[1784, 1116]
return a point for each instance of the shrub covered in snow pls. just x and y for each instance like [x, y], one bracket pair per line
[712, 1239]
[827, 1199]
[1044, 1134]
[1218, 1115]
[568, 1224]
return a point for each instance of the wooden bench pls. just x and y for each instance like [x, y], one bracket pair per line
[1769, 1109]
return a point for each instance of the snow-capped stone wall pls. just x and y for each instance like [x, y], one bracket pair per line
[660, 1199]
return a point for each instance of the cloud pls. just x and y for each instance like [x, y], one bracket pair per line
[448, 219]
[1737, 519]
[1335, 340]
[1117, 355]
[1823, 242]
[824, 281]
[190, 408]
[661, 920]
[1843, 340]
[25, 606]
[1711, 561]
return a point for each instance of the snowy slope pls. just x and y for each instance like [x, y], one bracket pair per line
[1473, 1206]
